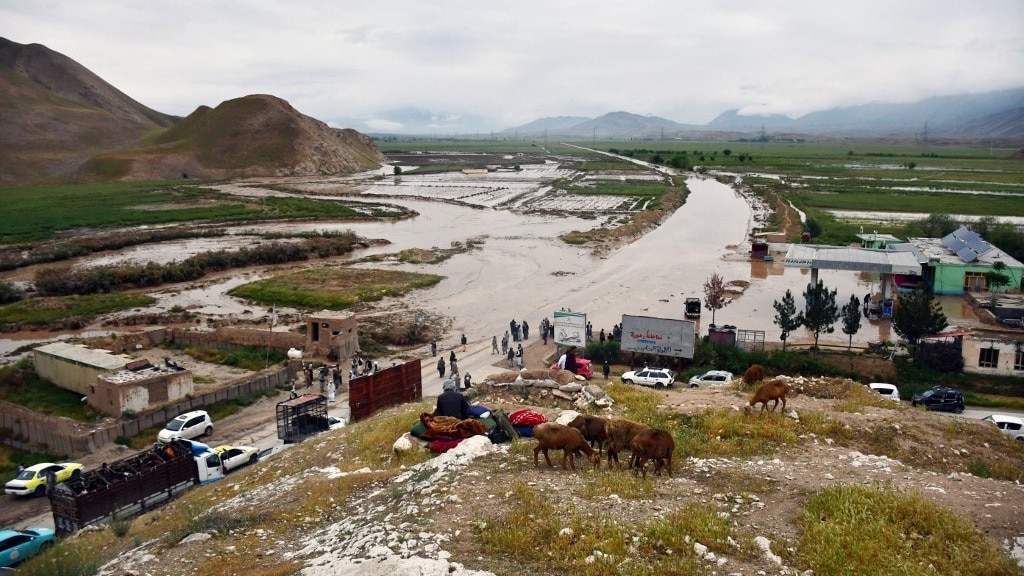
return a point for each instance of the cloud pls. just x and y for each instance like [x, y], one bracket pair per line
[502, 65]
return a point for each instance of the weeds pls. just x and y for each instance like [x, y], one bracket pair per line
[884, 531]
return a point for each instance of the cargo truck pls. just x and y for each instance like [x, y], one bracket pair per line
[133, 485]
[302, 416]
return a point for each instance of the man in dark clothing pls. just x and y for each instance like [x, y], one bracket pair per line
[570, 360]
[440, 367]
[433, 348]
[607, 369]
[451, 402]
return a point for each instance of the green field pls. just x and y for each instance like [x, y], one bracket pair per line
[333, 288]
[36, 213]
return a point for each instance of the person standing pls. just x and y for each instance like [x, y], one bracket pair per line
[526, 330]
[323, 378]
[463, 342]
[451, 357]
[440, 367]
[600, 336]
[519, 357]
[433, 347]
[309, 375]
[605, 367]
[336, 376]
[504, 343]
[494, 344]
[511, 356]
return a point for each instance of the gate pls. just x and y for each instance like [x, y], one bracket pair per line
[389, 387]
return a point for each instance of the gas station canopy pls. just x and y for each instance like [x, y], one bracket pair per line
[850, 258]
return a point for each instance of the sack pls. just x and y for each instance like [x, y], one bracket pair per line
[498, 436]
[501, 421]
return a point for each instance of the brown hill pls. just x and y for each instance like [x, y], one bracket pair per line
[59, 121]
[256, 135]
[55, 113]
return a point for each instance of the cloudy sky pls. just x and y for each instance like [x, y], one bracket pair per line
[457, 66]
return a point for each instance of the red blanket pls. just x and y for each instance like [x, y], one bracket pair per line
[526, 418]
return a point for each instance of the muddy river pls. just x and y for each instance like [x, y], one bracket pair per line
[524, 271]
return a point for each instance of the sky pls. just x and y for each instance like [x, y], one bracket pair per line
[462, 66]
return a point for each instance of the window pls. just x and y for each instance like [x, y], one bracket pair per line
[988, 358]
[975, 282]
[1018, 360]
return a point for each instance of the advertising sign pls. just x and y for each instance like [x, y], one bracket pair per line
[661, 336]
[570, 328]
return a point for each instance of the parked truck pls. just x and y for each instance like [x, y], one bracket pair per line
[302, 416]
[133, 485]
[691, 308]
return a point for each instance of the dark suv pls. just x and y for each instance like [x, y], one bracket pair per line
[940, 398]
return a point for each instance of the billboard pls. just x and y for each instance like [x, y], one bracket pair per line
[661, 336]
[570, 328]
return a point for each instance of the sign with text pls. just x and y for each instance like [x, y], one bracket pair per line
[660, 336]
[570, 328]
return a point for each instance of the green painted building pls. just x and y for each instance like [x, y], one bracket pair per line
[961, 261]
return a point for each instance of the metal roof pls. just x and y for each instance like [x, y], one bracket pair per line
[850, 258]
[85, 356]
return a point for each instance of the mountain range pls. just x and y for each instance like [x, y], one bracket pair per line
[60, 122]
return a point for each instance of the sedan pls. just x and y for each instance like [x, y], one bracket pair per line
[17, 545]
[32, 480]
[886, 390]
[711, 378]
[656, 377]
[233, 457]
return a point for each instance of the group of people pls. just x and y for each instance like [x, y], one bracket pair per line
[519, 331]
[453, 363]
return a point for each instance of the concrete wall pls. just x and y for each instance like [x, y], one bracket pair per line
[121, 392]
[26, 430]
[230, 337]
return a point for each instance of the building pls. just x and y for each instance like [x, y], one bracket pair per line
[960, 261]
[332, 334]
[996, 356]
[877, 241]
[139, 386]
[75, 367]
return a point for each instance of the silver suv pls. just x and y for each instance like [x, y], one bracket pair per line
[187, 426]
[711, 378]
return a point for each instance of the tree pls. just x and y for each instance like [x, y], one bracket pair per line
[812, 227]
[997, 276]
[786, 316]
[851, 319]
[714, 295]
[398, 170]
[917, 314]
[821, 311]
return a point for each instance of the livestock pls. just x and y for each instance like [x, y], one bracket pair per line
[653, 444]
[554, 436]
[620, 433]
[775, 390]
[592, 428]
[753, 374]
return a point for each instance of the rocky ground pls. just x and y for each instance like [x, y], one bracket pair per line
[425, 520]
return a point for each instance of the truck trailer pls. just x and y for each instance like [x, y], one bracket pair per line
[133, 485]
[302, 416]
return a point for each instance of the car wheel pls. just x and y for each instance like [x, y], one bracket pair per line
[40, 490]
[76, 474]
[659, 385]
[208, 431]
[694, 386]
[627, 381]
[46, 546]
[958, 410]
[253, 458]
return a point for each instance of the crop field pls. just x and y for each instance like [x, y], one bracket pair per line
[39, 213]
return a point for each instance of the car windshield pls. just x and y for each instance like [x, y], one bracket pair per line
[928, 394]
[175, 425]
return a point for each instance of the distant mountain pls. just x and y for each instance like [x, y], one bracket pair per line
[257, 135]
[553, 124]
[614, 125]
[54, 114]
[59, 121]
[966, 115]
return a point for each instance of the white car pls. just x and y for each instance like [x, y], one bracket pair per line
[656, 377]
[886, 390]
[711, 378]
[232, 457]
[334, 422]
[188, 426]
[1012, 426]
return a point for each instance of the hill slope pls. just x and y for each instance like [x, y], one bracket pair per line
[257, 135]
[54, 113]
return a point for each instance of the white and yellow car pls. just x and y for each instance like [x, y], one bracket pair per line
[233, 457]
[32, 480]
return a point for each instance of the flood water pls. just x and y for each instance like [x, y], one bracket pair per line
[523, 271]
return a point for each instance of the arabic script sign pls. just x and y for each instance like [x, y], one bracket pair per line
[570, 328]
[661, 336]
